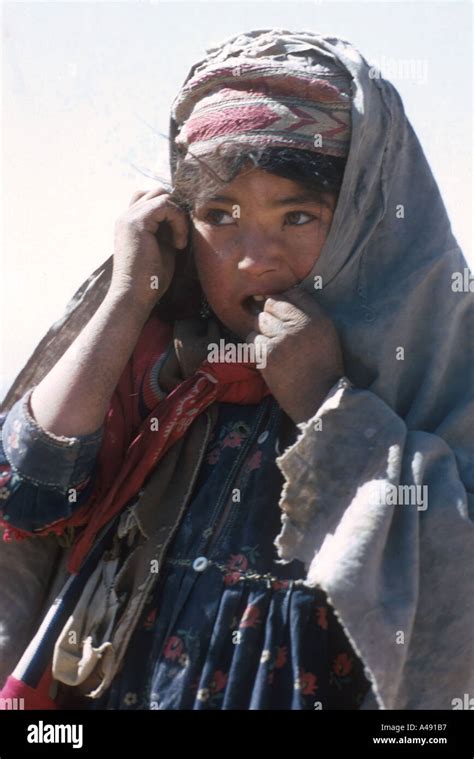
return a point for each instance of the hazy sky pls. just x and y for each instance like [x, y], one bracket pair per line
[87, 87]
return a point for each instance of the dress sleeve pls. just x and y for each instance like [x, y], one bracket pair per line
[43, 477]
[381, 514]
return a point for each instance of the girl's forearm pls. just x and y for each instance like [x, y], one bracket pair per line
[73, 398]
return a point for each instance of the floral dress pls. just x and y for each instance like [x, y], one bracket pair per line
[226, 626]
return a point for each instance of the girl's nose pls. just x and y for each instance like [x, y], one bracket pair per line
[258, 255]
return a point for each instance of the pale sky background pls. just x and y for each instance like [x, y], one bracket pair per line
[86, 86]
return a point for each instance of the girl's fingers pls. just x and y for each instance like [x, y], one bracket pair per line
[136, 196]
[178, 222]
[280, 308]
[269, 325]
[256, 338]
[156, 208]
[145, 194]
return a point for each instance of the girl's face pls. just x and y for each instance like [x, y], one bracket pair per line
[261, 235]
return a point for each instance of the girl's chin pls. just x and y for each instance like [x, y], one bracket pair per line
[241, 331]
[241, 326]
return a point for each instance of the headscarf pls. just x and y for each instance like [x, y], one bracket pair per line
[264, 103]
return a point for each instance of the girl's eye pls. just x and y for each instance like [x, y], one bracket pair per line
[215, 217]
[211, 216]
[300, 213]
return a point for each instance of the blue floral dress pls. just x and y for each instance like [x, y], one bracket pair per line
[226, 626]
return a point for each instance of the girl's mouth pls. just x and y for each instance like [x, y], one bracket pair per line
[254, 304]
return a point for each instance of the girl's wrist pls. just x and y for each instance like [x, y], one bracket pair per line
[135, 306]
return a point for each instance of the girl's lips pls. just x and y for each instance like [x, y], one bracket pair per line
[254, 304]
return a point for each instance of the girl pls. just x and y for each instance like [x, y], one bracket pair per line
[272, 536]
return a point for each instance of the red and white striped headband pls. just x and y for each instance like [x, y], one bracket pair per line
[264, 104]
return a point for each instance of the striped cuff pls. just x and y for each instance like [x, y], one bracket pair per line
[42, 458]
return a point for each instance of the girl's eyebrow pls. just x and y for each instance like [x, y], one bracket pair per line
[303, 198]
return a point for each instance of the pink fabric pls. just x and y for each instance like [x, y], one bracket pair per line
[33, 698]
[263, 105]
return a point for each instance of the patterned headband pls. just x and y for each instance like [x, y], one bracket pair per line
[264, 104]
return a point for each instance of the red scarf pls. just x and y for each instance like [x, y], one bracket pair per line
[131, 447]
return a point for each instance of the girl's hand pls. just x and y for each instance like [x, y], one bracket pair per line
[146, 236]
[302, 350]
